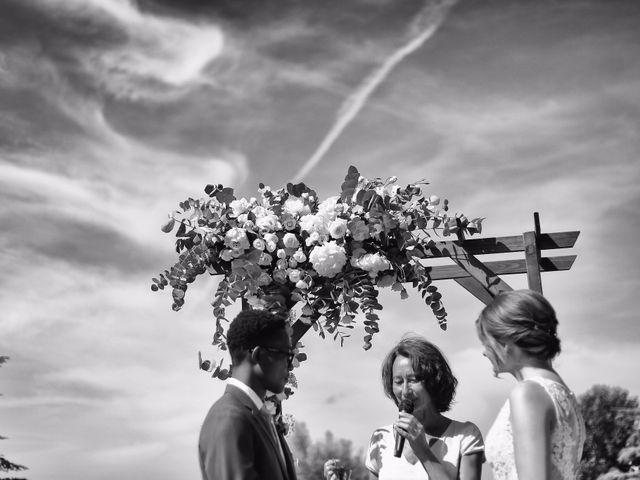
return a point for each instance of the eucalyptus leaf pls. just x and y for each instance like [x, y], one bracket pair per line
[168, 225]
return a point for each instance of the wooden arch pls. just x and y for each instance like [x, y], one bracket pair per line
[482, 279]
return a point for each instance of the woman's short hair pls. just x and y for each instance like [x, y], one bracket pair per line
[523, 317]
[429, 366]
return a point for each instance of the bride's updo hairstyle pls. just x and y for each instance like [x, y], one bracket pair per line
[524, 318]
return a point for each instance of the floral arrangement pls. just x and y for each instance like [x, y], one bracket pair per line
[327, 258]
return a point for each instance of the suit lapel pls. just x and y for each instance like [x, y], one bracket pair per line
[291, 469]
[264, 430]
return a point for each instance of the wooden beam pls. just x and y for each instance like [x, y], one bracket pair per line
[299, 329]
[503, 267]
[463, 277]
[531, 258]
[475, 288]
[481, 246]
[476, 269]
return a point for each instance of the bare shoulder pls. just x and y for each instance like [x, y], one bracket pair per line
[530, 396]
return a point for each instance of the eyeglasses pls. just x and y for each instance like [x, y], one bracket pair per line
[289, 354]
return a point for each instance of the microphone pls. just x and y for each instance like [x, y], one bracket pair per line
[406, 405]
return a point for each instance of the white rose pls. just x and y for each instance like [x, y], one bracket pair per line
[299, 256]
[265, 259]
[290, 240]
[268, 223]
[328, 259]
[288, 222]
[392, 190]
[281, 253]
[270, 238]
[338, 228]
[373, 263]
[236, 239]
[260, 211]
[328, 208]
[248, 225]
[313, 238]
[259, 244]
[226, 255]
[295, 275]
[295, 206]
[239, 206]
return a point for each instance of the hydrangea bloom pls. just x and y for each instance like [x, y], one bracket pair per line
[313, 223]
[328, 259]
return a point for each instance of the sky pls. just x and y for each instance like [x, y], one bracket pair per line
[114, 111]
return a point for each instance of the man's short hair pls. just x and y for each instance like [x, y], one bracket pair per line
[251, 328]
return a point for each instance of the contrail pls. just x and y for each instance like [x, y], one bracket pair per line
[423, 27]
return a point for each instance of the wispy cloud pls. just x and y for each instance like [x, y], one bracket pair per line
[140, 55]
[424, 26]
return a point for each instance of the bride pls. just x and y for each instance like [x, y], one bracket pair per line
[539, 432]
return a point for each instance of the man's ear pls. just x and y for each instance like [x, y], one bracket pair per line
[255, 355]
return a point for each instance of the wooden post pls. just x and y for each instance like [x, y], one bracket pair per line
[532, 255]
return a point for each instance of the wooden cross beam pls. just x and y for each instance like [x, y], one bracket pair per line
[482, 279]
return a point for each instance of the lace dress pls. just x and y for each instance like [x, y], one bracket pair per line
[567, 437]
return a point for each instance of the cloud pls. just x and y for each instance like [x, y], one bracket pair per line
[128, 53]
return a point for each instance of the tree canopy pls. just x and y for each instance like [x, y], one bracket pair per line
[312, 454]
[610, 416]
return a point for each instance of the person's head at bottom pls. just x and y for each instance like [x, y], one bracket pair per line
[336, 469]
[260, 349]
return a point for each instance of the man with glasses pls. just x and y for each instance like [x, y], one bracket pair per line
[238, 440]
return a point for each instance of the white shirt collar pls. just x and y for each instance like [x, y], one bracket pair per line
[248, 390]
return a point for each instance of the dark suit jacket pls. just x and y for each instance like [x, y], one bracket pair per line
[235, 443]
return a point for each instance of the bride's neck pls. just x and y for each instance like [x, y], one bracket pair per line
[535, 369]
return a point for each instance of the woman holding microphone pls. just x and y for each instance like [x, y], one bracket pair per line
[435, 447]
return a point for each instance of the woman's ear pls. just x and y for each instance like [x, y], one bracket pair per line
[502, 350]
